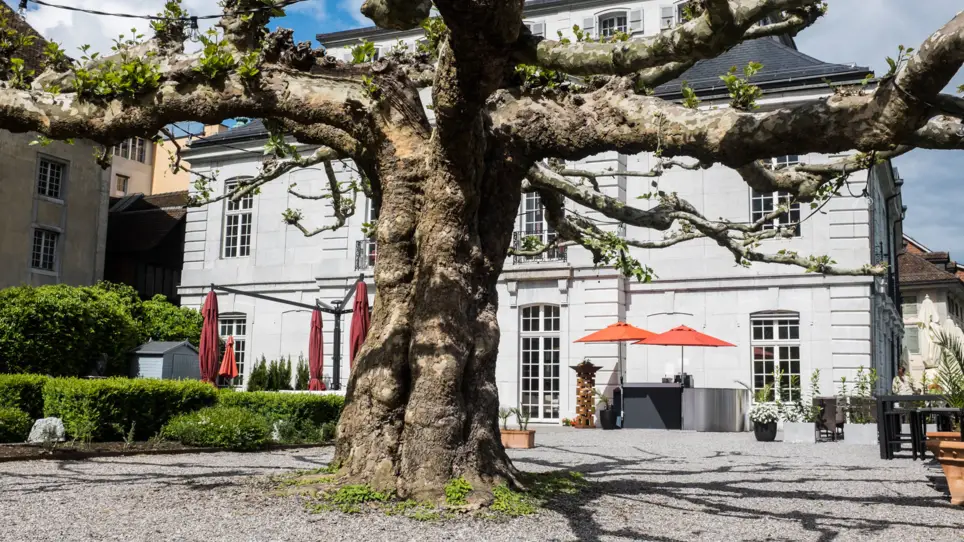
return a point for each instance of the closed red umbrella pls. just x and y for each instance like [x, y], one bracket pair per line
[229, 365]
[210, 342]
[360, 322]
[316, 350]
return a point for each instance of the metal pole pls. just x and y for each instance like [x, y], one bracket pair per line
[336, 349]
[682, 386]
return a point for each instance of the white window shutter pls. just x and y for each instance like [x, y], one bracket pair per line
[538, 29]
[588, 25]
[636, 20]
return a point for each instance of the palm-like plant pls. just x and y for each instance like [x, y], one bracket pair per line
[950, 374]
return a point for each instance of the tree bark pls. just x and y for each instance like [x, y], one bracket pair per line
[422, 402]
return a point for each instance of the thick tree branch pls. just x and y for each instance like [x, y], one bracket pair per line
[721, 26]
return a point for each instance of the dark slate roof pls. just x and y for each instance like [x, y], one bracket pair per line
[161, 347]
[138, 223]
[914, 269]
[252, 130]
[782, 66]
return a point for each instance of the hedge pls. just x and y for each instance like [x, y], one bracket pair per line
[220, 427]
[15, 425]
[106, 409]
[24, 392]
[295, 407]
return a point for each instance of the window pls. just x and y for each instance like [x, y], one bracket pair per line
[533, 224]
[666, 17]
[612, 23]
[912, 339]
[764, 203]
[50, 178]
[780, 162]
[366, 250]
[776, 349]
[537, 29]
[908, 306]
[237, 224]
[134, 148]
[540, 364]
[237, 327]
[954, 309]
[120, 184]
[44, 253]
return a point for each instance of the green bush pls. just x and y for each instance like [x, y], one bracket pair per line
[221, 427]
[15, 425]
[106, 409]
[65, 331]
[24, 392]
[258, 377]
[300, 416]
[303, 376]
[164, 321]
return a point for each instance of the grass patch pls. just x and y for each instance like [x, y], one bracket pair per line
[456, 492]
[507, 503]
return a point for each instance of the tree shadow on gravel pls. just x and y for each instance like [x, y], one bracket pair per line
[624, 479]
[74, 475]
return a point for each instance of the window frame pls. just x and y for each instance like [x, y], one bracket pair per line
[905, 302]
[239, 212]
[776, 199]
[54, 252]
[916, 335]
[667, 19]
[540, 228]
[134, 149]
[127, 182]
[60, 196]
[614, 15]
[240, 352]
[781, 351]
[546, 345]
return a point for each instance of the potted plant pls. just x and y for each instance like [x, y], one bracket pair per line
[950, 381]
[764, 417]
[607, 414]
[512, 438]
[861, 409]
[799, 417]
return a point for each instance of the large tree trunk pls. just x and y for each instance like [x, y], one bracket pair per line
[422, 403]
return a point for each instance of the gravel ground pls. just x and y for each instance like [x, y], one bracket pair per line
[644, 485]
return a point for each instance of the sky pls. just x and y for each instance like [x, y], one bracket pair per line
[863, 32]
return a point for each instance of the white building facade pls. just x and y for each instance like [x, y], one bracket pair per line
[779, 317]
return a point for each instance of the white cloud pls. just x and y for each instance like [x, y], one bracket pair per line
[353, 9]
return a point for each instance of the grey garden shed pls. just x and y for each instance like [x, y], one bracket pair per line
[166, 360]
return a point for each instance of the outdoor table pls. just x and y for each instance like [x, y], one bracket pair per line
[885, 429]
[919, 424]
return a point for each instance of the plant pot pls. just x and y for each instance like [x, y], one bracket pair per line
[607, 418]
[951, 456]
[799, 432]
[862, 434]
[765, 432]
[944, 436]
[512, 438]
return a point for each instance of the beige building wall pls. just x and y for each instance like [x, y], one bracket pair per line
[164, 179]
[78, 216]
[140, 175]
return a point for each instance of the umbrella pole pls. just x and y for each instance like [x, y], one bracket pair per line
[682, 386]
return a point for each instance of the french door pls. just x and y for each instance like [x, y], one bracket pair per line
[540, 362]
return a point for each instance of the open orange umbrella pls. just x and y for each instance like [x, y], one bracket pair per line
[682, 337]
[618, 332]
[229, 365]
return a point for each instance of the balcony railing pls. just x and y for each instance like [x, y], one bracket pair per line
[555, 254]
[365, 254]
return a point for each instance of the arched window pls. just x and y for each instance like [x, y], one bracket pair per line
[235, 324]
[539, 382]
[610, 23]
[238, 223]
[775, 342]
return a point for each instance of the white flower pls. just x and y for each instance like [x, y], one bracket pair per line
[764, 413]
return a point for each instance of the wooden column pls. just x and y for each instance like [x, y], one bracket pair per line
[585, 394]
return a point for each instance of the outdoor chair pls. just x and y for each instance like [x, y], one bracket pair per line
[831, 419]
